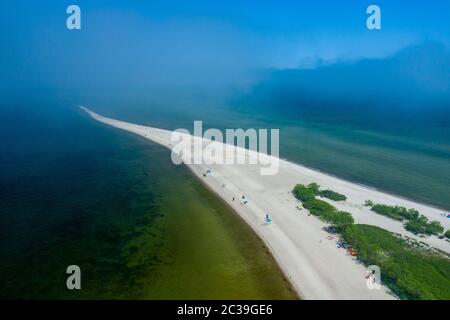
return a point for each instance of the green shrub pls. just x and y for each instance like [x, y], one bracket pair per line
[434, 227]
[304, 193]
[330, 194]
[369, 203]
[328, 213]
[411, 273]
[447, 234]
[387, 211]
[417, 226]
[309, 192]
[342, 219]
[416, 223]
[395, 212]
[409, 214]
[314, 188]
[420, 225]
[319, 208]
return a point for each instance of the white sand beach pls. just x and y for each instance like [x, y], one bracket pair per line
[313, 263]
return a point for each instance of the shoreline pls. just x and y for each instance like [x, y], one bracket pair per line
[297, 242]
[261, 240]
[405, 198]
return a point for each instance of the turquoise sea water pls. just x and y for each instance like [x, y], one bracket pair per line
[407, 159]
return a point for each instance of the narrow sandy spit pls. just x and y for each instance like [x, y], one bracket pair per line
[312, 262]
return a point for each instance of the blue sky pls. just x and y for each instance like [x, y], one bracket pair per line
[147, 42]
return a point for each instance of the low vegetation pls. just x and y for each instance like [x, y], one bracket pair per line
[447, 234]
[305, 193]
[328, 213]
[395, 212]
[410, 271]
[313, 189]
[422, 226]
[319, 208]
[330, 194]
[414, 221]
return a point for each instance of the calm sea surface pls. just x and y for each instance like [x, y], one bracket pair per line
[76, 192]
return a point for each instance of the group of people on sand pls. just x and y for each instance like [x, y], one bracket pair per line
[244, 201]
[267, 218]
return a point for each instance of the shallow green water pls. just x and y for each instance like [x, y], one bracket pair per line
[74, 191]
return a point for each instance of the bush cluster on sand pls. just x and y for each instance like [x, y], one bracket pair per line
[414, 221]
[323, 210]
[410, 272]
[332, 195]
[313, 189]
[396, 212]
